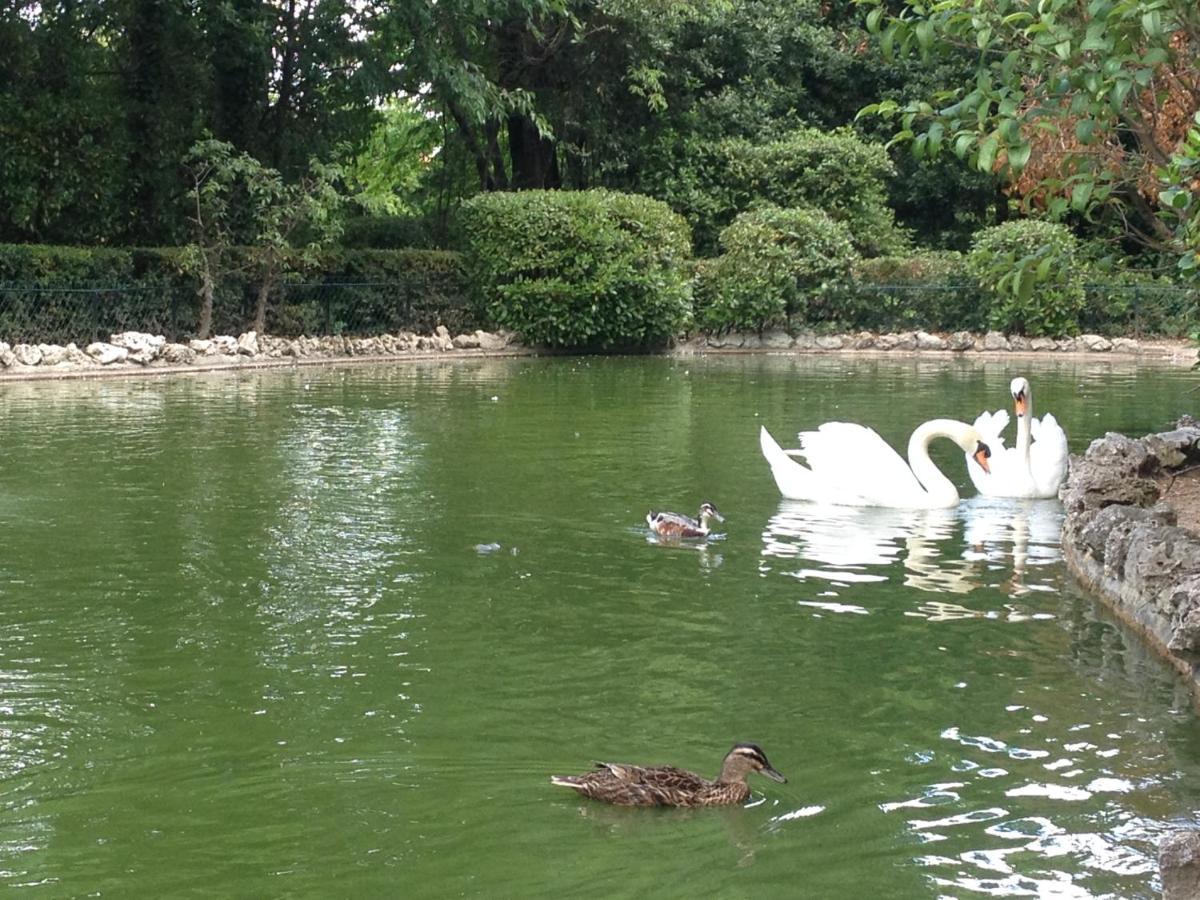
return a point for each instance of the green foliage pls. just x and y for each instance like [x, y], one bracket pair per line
[1180, 202]
[930, 291]
[1030, 271]
[580, 269]
[776, 264]
[1063, 102]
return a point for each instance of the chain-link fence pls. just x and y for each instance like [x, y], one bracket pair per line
[60, 315]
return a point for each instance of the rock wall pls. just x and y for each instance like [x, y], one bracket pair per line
[1123, 542]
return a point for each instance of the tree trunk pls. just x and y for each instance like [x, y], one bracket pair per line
[260, 306]
[204, 328]
[534, 159]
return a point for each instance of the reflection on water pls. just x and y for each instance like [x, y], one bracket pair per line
[983, 542]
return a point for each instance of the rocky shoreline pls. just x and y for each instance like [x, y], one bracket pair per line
[1124, 542]
[134, 351]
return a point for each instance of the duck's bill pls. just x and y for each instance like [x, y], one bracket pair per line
[773, 775]
[716, 515]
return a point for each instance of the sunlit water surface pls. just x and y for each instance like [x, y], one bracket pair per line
[327, 632]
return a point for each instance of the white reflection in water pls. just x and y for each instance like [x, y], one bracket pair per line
[984, 541]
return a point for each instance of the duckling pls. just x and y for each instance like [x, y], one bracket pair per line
[676, 525]
[667, 786]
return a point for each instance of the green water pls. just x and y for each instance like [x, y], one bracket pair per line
[248, 646]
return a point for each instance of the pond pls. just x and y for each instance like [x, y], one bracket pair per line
[256, 639]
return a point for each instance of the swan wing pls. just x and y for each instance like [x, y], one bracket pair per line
[854, 461]
[795, 482]
[1048, 455]
[990, 426]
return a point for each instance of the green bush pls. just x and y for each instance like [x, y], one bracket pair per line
[580, 269]
[777, 262]
[834, 171]
[930, 291]
[1031, 273]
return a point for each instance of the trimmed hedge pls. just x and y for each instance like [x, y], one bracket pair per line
[1032, 273]
[52, 294]
[777, 262]
[580, 269]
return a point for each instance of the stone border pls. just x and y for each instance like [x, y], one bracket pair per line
[1122, 541]
[134, 352]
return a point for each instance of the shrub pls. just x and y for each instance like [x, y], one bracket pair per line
[776, 262]
[579, 269]
[929, 290]
[1031, 274]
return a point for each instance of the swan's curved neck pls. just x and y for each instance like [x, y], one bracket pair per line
[1024, 428]
[937, 486]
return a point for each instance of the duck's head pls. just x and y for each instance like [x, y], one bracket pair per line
[973, 444]
[744, 759]
[708, 511]
[1020, 395]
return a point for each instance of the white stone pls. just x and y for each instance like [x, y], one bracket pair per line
[466, 342]
[106, 354]
[203, 347]
[927, 341]
[1095, 343]
[829, 342]
[247, 344]
[1125, 345]
[994, 340]
[1042, 344]
[52, 354]
[178, 354]
[225, 345]
[27, 354]
[442, 331]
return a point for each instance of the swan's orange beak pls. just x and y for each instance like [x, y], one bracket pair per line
[982, 453]
[1019, 402]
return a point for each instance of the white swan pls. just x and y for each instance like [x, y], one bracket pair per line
[1028, 470]
[851, 465]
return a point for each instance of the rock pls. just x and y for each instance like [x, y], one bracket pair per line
[7, 358]
[927, 341]
[960, 341]
[906, 340]
[488, 341]
[776, 340]
[27, 354]
[805, 340]
[1066, 345]
[143, 348]
[1018, 342]
[203, 347]
[1126, 345]
[1179, 865]
[829, 342]
[886, 342]
[77, 357]
[178, 354]
[994, 340]
[247, 344]
[106, 354]
[1042, 344]
[52, 354]
[864, 340]
[1094, 343]
[466, 342]
[225, 345]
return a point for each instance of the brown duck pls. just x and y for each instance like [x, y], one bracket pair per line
[677, 525]
[667, 786]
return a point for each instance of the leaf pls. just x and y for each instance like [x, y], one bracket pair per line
[1080, 194]
[1084, 130]
[987, 153]
[873, 18]
[1152, 23]
[1018, 156]
[963, 143]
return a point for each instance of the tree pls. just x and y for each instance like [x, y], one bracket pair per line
[1079, 108]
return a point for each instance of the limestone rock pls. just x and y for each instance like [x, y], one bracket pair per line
[960, 341]
[143, 348]
[247, 344]
[886, 342]
[805, 340]
[1179, 865]
[225, 345]
[178, 354]
[927, 341]
[994, 340]
[489, 341]
[1126, 345]
[27, 354]
[106, 354]
[1018, 342]
[776, 340]
[1042, 344]
[1095, 343]
[77, 357]
[202, 347]
[864, 340]
[1066, 345]
[466, 342]
[829, 342]
[442, 332]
